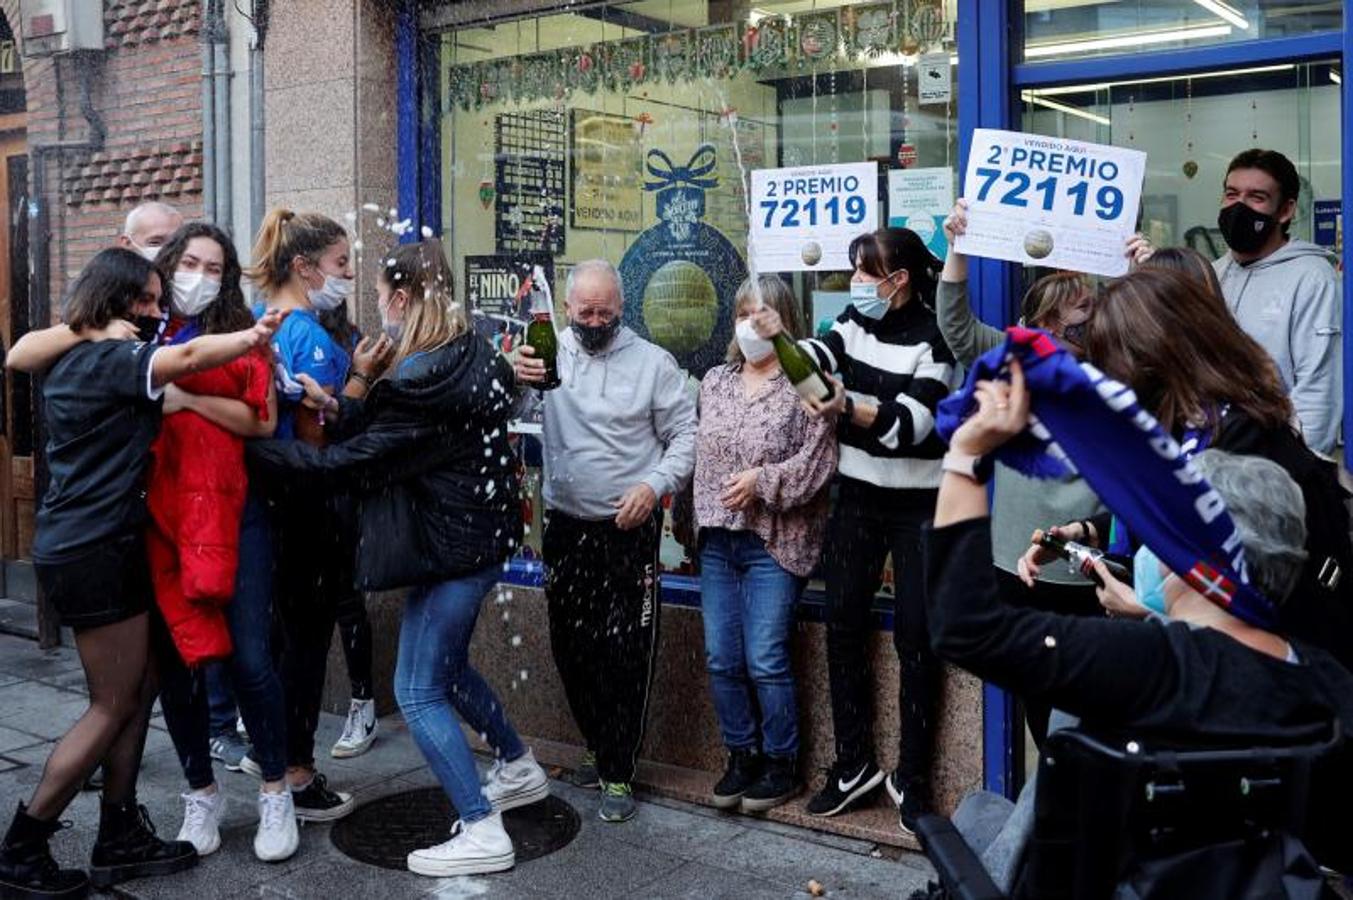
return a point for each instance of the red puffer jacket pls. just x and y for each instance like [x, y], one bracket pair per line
[197, 484]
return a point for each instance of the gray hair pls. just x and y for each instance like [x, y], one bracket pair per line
[1270, 516]
[594, 267]
[140, 209]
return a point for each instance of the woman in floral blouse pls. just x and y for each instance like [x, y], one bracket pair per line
[762, 470]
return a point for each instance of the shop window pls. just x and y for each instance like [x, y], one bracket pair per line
[561, 134]
[1068, 29]
[1191, 126]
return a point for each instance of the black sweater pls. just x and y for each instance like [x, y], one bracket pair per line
[1170, 681]
[428, 457]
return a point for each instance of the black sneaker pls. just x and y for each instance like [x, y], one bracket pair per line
[744, 767]
[27, 869]
[127, 848]
[846, 783]
[912, 801]
[777, 784]
[316, 803]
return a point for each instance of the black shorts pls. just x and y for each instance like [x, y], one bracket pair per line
[108, 583]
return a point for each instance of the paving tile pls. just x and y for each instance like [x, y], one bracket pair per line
[15, 740]
[698, 881]
[47, 722]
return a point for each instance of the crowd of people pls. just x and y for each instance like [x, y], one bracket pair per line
[227, 482]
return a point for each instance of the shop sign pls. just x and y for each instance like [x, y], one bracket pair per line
[681, 275]
[804, 217]
[1050, 201]
[493, 282]
[934, 84]
[920, 199]
[607, 169]
[1327, 215]
[906, 155]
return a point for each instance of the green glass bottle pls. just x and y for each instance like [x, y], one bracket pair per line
[802, 370]
[540, 334]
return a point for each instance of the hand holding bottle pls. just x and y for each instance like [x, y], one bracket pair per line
[529, 368]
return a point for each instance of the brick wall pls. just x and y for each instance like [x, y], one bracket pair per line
[147, 87]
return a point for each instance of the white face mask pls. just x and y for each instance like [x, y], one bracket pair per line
[193, 292]
[754, 347]
[332, 294]
[150, 253]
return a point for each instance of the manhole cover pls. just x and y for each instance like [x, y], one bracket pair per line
[384, 831]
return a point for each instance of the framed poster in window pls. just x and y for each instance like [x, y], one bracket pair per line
[607, 182]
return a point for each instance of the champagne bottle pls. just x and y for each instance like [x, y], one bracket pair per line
[540, 332]
[1081, 559]
[802, 370]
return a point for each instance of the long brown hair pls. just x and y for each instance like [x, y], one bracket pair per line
[228, 311]
[1182, 353]
[1046, 298]
[883, 253]
[1187, 261]
[432, 317]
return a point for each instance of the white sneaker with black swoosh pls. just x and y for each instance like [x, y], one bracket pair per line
[358, 732]
[845, 784]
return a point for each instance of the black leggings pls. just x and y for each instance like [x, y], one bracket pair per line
[354, 630]
[121, 674]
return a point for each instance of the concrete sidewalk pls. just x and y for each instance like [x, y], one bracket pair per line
[671, 849]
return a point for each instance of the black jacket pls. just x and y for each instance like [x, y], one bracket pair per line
[1160, 679]
[427, 457]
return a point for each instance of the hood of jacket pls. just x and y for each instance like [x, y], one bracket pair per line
[1293, 249]
[607, 358]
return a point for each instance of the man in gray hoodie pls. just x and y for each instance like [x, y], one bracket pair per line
[619, 435]
[1284, 293]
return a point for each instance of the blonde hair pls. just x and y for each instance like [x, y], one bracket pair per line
[432, 317]
[1047, 297]
[774, 294]
[285, 235]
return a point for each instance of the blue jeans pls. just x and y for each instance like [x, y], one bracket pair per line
[253, 676]
[433, 676]
[747, 600]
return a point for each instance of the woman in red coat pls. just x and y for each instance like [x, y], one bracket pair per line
[201, 514]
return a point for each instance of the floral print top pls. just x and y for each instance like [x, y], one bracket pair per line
[795, 452]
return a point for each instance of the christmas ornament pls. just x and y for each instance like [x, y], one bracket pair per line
[486, 193]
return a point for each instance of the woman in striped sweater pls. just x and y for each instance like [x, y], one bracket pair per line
[887, 352]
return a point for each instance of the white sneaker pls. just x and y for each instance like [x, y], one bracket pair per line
[277, 837]
[517, 783]
[358, 732]
[202, 820]
[475, 849]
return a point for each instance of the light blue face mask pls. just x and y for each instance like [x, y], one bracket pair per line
[1147, 580]
[866, 300]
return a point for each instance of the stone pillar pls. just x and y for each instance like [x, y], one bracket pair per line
[331, 122]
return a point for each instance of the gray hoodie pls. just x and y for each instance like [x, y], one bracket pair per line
[1290, 302]
[619, 418]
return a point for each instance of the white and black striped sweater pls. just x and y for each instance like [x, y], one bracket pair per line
[901, 364]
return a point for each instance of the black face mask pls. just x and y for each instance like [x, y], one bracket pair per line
[149, 328]
[1245, 229]
[594, 338]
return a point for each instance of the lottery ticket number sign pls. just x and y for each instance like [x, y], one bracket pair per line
[804, 217]
[1051, 202]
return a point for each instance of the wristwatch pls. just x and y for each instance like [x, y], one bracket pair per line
[967, 465]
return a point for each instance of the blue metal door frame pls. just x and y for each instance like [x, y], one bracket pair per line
[990, 78]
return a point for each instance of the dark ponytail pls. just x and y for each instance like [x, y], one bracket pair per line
[885, 251]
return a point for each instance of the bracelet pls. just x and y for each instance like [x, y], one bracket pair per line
[850, 408]
[360, 377]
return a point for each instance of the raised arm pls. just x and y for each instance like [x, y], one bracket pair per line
[37, 351]
[209, 351]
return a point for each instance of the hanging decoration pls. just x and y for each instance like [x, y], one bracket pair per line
[1190, 164]
[771, 44]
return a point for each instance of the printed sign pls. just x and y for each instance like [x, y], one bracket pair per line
[1328, 215]
[804, 218]
[920, 199]
[607, 171]
[1050, 201]
[934, 84]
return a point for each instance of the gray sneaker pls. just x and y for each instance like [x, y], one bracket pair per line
[617, 803]
[585, 776]
[229, 749]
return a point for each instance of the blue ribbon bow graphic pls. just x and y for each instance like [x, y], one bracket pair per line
[667, 175]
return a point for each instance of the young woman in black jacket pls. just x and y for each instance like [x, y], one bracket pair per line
[1211, 385]
[426, 453]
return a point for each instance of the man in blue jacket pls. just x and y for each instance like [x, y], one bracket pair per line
[1285, 293]
[619, 434]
